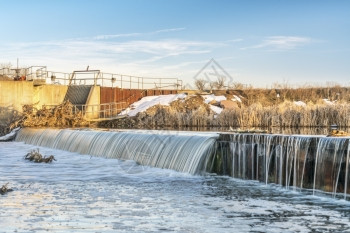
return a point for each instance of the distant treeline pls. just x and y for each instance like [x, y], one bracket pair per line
[273, 96]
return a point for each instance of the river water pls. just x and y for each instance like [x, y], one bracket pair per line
[80, 193]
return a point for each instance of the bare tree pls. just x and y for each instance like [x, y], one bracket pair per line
[200, 84]
[238, 86]
[5, 65]
[5, 70]
[212, 85]
[220, 82]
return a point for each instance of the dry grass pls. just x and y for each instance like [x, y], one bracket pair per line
[284, 115]
[59, 116]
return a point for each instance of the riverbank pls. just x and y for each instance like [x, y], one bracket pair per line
[61, 116]
[280, 109]
[285, 115]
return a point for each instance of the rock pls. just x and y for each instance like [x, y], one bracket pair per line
[228, 104]
[36, 157]
[4, 189]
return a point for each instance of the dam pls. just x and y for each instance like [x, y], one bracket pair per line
[317, 164]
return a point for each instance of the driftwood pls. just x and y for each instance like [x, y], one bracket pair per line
[337, 133]
[63, 115]
[4, 189]
[36, 157]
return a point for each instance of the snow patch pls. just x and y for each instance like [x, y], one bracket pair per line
[215, 109]
[327, 101]
[10, 136]
[300, 103]
[150, 101]
[236, 98]
[209, 98]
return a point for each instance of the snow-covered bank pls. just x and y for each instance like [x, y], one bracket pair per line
[10, 136]
[150, 101]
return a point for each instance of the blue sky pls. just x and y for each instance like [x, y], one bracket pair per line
[259, 42]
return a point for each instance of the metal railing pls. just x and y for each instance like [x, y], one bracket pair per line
[36, 72]
[40, 75]
[97, 111]
[96, 77]
[136, 82]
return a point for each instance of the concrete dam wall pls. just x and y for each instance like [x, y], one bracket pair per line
[15, 94]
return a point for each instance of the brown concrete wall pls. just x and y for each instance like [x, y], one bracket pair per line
[14, 94]
[109, 94]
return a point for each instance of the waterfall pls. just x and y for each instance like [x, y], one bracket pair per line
[298, 162]
[316, 163]
[331, 165]
[182, 152]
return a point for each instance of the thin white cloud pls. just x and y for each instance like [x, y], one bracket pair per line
[108, 37]
[281, 43]
[139, 57]
[83, 48]
[170, 30]
[234, 40]
[154, 57]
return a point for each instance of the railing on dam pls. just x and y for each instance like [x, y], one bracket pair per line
[98, 112]
[40, 75]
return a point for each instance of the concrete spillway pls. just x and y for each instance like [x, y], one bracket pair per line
[180, 152]
[315, 163]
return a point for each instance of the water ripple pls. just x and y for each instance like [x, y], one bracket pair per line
[82, 193]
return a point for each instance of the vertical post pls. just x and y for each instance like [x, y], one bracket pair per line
[110, 110]
[121, 81]
[346, 171]
[111, 81]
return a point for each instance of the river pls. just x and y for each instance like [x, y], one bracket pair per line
[80, 193]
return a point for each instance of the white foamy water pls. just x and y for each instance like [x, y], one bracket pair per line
[80, 193]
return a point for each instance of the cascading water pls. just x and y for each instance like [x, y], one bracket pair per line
[180, 152]
[314, 163]
[331, 165]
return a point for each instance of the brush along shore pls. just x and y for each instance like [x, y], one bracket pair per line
[62, 116]
[194, 112]
[280, 107]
